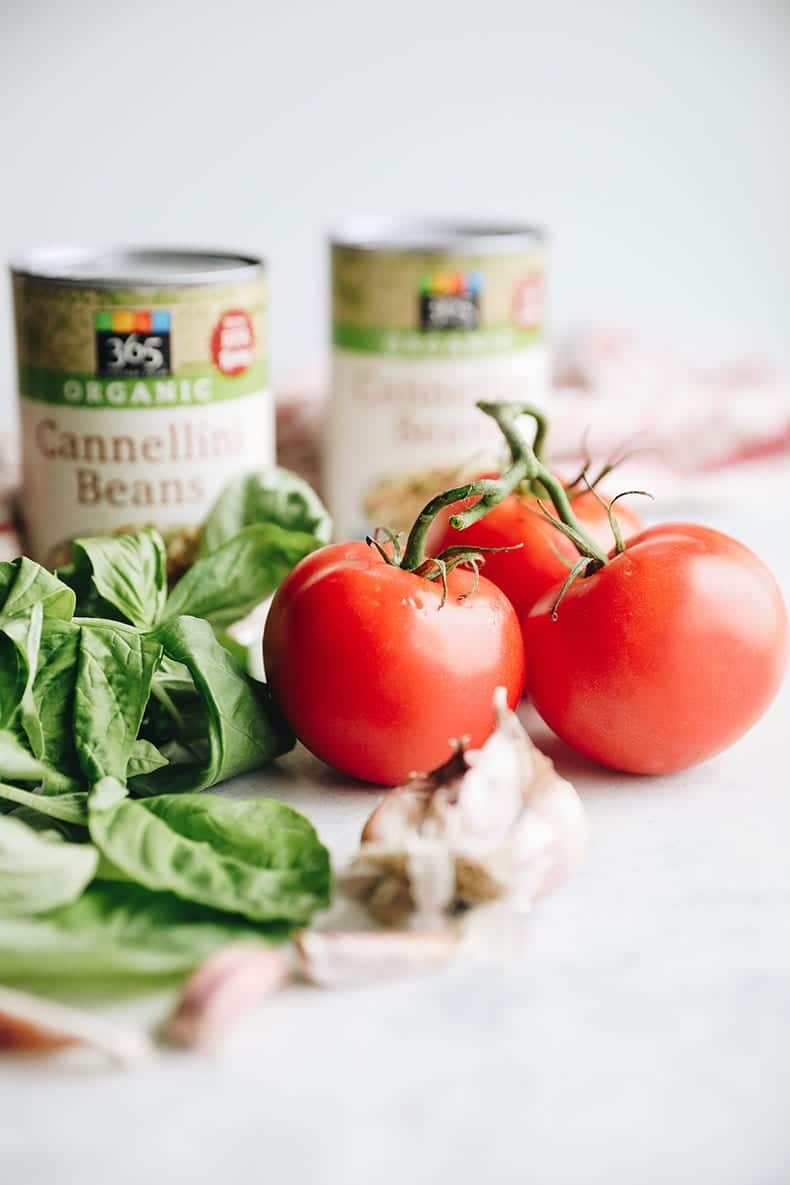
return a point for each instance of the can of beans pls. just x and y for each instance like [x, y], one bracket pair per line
[143, 386]
[427, 318]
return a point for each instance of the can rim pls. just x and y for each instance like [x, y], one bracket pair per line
[59, 264]
[374, 232]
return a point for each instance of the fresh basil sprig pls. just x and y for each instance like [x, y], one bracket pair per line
[122, 576]
[38, 869]
[267, 496]
[254, 857]
[118, 704]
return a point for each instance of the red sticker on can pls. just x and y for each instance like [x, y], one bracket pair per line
[527, 307]
[233, 343]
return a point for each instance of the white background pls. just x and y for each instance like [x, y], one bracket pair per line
[645, 1037]
[652, 139]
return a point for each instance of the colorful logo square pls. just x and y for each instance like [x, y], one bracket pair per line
[450, 299]
[123, 321]
[132, 343]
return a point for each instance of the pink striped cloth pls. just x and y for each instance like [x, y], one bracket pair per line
[691, 417]
[688, 424]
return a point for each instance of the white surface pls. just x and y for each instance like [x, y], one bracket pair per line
[650, 138]
[644, 1039]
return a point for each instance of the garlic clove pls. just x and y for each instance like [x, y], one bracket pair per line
[490, 796]
[32, 1024]
[554, 801]
[403, 809]
[224, 989]
[350, 959]
[21, 1035]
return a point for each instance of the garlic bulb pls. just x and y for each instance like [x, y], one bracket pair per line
[491, 824]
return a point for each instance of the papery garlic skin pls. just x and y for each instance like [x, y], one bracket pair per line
[555, 801]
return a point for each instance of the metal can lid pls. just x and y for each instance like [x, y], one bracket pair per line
[136, 267]
[437, 235]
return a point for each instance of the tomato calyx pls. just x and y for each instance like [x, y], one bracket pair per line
[583, 484]
[435, 567]
[575, 535]
[619, 542]
[526, 474]
[586, 565]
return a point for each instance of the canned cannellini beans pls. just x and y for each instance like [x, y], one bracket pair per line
[427, 318]
[143, 385]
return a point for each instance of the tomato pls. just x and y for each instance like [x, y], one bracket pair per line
[525, 574]
[376, 675]
[664, 656]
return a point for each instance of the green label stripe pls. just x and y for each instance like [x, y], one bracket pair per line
[193, 386]
[451, 343]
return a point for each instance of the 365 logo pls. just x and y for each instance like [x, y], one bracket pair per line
[450, 300]
[132, 343]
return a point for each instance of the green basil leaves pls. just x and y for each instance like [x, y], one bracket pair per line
[119, 705]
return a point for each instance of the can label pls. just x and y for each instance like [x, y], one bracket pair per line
[418, 338]
[137, 405]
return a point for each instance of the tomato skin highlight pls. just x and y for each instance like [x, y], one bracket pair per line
[662, 658]
[527, 573]
[374, 675]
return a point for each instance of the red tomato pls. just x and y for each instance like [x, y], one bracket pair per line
[374, 674]
[525, 574]
[663, 657]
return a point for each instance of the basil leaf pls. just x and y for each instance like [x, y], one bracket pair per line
[115, 668]
[127, 572]
[270, 496]
[255, 857]
[230, 725]
[53, 692]
[38, 869]
[117, 930]
[55, 828]
[67, 808]
[227, 584]
[24, 584]
[144, 758]
[176, 717]
[25, 633]
[17, 764]
[13, 679]
[28, 595]
[238, 652]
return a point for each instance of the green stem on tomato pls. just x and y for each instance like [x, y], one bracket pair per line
[491, 491]
[506, 416]
[541, 427]
[525, 466]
